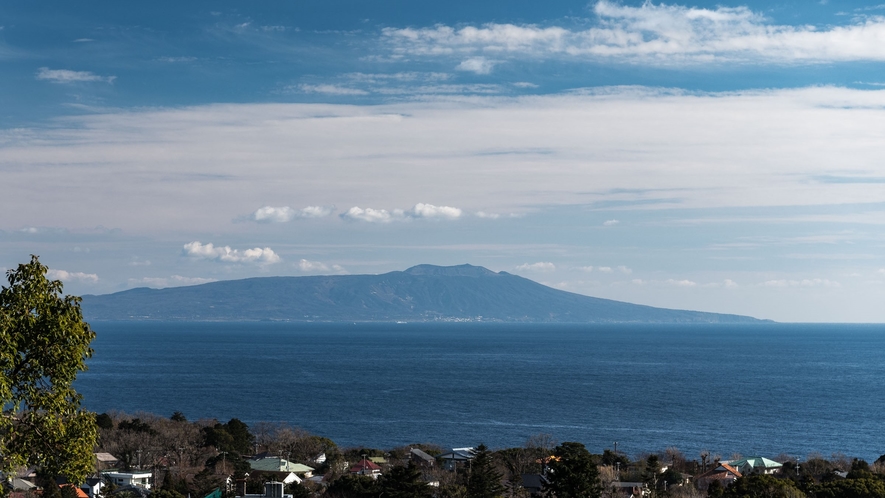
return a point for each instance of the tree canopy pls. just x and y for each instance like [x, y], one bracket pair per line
[44, 343]
[573, 474]
[484, 480]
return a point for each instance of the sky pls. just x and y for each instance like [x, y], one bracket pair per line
[724, 157]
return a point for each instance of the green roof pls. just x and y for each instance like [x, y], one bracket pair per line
[278, 465]
[756, 463]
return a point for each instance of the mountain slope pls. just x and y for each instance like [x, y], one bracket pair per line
[421, 293]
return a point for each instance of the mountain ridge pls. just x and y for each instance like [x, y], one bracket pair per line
[421, 293]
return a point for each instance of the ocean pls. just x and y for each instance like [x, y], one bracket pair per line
[761, 389]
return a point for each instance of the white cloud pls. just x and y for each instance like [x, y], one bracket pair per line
[807, 282]
[588, 269]
[370, 215]
[76, 276]
[488, 216]
[655, 33]
[316, 266]
[524, 84]
[311, 266]
[478, 65]
[730, 284]
[169, 160]
[542, 266]
[681, 283]
[173, 281]
[270, 214]
[638, 281]
[610, 223]
[226, 254]
[625, 270]
[420, 210]
[315, 212]
[881, 272]
[178, 59]
[605, 269]
[67, 76]
[331, 89]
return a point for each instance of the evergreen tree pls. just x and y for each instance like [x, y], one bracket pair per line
[484, 480]
[572, 472]
[404, 482]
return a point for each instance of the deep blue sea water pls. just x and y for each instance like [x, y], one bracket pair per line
[752, 389]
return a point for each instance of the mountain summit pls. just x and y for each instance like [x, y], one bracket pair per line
[420, 293]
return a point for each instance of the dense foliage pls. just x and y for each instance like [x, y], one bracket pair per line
[44, 343]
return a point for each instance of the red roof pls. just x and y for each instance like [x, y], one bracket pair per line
[80, 492]
[364, 466]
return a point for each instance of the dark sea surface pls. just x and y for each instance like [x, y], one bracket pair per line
[752, 389]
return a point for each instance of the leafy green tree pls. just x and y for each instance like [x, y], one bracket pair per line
[484, 480]
[404, 482]
[572, 472]
[44, 343]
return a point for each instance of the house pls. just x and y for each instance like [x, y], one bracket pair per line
[421, 458]
[534, 484]
[755, 465]
[136, 478]
[92, 486]
[624, 488]
[80, 492]
[280, 467]
[105, 461]
[457, 455]
[272, 489]
[19, 484]
[722, 472]
[366, 468]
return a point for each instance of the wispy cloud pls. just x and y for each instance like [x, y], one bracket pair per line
[307, 266]
[173, 281]
[681, 283]
[270, 214]
[806, 282]
[67, 76]
[329, 89]
[610, 223]
[656, 34]
[208, 251]
[478, 65]
[541, 266]
[72, 276]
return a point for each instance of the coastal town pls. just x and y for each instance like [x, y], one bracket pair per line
[152, 456]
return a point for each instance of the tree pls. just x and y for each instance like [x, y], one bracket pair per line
[484, 480]
[404, 482]
[850, 488]
[44, 343]
[762, 485]
[352, 486]
[573, 473]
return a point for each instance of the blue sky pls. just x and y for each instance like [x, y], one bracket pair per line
[715, 156]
